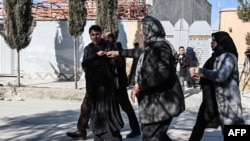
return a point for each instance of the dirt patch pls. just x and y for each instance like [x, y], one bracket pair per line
[41, 93]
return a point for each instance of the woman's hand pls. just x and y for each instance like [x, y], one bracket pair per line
[112, 54]
[194, 72]
[196, 77]
[134, 92]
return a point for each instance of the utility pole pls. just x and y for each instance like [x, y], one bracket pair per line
[219, 13]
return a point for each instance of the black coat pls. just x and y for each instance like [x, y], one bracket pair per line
[191, 61]
[183, 67]
[102, 89]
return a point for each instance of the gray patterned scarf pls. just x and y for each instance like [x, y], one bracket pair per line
[138, 68]
[153, 31]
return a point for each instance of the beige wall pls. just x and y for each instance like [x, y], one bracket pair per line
[134, 34]
[229, 18]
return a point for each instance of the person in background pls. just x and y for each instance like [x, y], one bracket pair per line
[157, 85]
[131, 78]
[123, 94]
[100, 103]
[191, 61]
[182, 66]
[219, 81]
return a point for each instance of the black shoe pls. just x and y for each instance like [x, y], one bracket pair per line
[133, 134]
[189, 85]
[76, 134]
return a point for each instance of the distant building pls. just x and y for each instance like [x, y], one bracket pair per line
[173, 10]
[164, 10]
[50, 52]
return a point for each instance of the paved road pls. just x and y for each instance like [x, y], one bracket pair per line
[46, 119]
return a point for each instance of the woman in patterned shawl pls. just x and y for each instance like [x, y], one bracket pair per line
[219, 80]
[157, 85]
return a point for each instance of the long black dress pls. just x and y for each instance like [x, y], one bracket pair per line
[100, 84]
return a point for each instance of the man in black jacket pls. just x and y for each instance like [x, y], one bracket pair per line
[93, 74]
[182, 65]
[87, 103]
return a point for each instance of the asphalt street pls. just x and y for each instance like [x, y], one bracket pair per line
[47, 119]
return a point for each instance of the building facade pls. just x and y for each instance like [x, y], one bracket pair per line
[173, 10]
[238, 30]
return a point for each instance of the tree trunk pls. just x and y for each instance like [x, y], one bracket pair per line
[107, 16]
[76, 23]
[18, 68]
[75, 63]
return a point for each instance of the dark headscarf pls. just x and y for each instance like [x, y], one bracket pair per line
[225, 43]
[189, 49]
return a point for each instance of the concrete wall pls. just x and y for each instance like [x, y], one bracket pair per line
[6, 58]
[50, 54]
[50, 51]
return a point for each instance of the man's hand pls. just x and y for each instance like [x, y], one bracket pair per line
[112, 54]
[134, 92]
[101, 53]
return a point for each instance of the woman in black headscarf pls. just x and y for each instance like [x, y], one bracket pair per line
[157, 85]
[219, 81]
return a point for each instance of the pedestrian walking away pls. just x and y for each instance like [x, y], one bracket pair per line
[190, 61]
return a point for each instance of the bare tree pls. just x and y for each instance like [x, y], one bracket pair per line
[76, 23]
[107, 16]
[19, 26]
